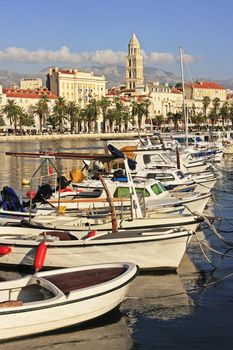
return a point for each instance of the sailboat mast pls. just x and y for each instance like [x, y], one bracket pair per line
[184, 106]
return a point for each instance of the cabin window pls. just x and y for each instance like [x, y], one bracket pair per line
[124, 192]
[180, 174]
[158, 188]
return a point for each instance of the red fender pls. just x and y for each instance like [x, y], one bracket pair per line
[91, 234]
[40, 256]
[4, 250]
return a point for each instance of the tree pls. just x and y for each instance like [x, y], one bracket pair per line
[11, 112]
[59, 112]
[140, 109]
[41, 109]
[230, 113]
[104, 104]
[175, 118]
[213, 116]
[74, 113]
[223, 113]
[24, 119]
[198, 119]
[159, 119]
[91, 114]
[206, 102]
[111, 117]
[122, 114]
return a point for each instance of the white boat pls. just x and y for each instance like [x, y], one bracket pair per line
[51, 300]
[148, 248]
[152, 193]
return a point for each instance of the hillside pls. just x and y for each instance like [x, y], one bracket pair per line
[115, 75]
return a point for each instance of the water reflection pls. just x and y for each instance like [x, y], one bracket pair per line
[14, 169]
[161, 296]
[108, 332]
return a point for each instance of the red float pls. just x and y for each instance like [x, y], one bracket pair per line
[91, 234]
[40, 256]
[4, 250]
[31, 193]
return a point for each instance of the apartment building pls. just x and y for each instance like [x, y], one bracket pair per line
[76, 85]
[26, 99]
[31, 83]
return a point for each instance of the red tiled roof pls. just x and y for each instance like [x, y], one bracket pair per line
[205, 85]
[65, 71]
[20, 93]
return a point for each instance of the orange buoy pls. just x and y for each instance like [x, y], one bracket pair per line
[40, 256]
[4, 250]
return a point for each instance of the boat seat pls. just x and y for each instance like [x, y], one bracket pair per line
[62, 235]
[71, 281]
[11, 303]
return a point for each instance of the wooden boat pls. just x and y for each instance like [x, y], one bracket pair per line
[148, 248]
[56, 299]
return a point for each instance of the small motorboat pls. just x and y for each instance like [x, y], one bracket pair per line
[55, 299]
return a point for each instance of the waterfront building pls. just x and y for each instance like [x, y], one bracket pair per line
[75, 85]
[30, 83]
[26, 99]
[134, 64]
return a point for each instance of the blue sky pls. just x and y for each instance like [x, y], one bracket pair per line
[42, 33]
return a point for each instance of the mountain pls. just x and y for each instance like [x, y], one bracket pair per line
[9, 77]
[115, 75]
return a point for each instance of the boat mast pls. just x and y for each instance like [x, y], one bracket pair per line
[184, 106]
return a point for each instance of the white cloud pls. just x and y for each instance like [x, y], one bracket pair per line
[105, 57]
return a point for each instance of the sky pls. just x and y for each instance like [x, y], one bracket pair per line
[74, 33]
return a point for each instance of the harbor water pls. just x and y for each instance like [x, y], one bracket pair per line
[190, 309]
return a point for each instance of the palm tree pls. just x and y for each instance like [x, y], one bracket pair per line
[223, 113]
[125, 118]
[104, 104]
[91, 114]
[59, 112]
[230, 113]
[175, 118]
[159, 119]
[121, 113]
[11, 112]
[74, 112]
[111, 117]
[213, 116]
[24, 119]
[198, 119]
[140, 109]
[41, 109]
[206, 103]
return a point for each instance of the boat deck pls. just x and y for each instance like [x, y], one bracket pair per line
[71, 281]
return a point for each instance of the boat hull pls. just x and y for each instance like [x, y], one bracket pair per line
[148, 250]
[83, 306]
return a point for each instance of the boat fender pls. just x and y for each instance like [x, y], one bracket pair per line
[4, 250]
[91, 234]
[40, 256]
[67, 189]
[31, 193]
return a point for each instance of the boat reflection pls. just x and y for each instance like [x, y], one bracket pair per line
[161, 296]
[108, 332]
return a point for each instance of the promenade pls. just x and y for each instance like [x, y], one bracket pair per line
[48, 137]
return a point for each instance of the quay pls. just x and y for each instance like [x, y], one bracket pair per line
[87, 136]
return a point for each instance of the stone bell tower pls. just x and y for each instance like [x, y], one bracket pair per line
[134, 64]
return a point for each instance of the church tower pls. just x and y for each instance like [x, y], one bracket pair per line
[134, 64]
